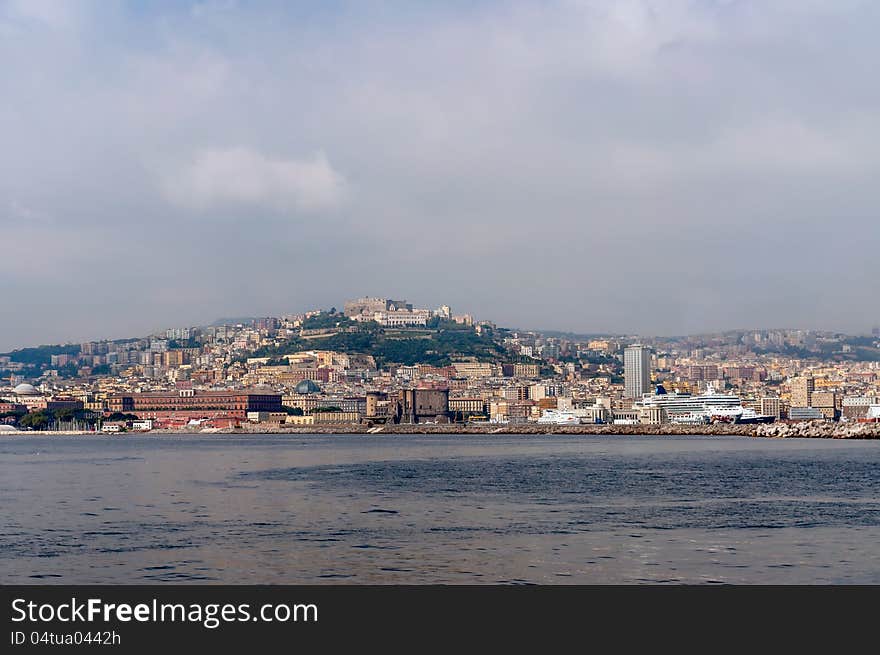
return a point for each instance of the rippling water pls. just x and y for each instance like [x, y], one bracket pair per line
[438, 509]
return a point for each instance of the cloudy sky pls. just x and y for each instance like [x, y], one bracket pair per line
[639, 166]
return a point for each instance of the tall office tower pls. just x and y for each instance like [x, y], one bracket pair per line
[636, 370]
[802, 388]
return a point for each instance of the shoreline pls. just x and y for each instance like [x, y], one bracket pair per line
[806, 429]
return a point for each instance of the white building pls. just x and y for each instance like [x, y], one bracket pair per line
[636, 370]
[179, 334]
[414, 318]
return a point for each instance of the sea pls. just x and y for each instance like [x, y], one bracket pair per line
[438, 509]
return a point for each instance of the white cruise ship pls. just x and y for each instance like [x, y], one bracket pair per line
[703, 408]
[559, 417]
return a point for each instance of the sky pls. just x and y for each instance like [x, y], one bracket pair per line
[648, 167]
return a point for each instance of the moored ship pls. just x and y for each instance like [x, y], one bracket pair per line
[750, 417]
[708, 407]
[558, 417]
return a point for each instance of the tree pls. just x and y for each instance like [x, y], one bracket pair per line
[34, 421]
[119, 416]
[292, 411]
[41, 355]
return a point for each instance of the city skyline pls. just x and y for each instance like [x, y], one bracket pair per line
[384, 360]
[636, 167]
[229, 319]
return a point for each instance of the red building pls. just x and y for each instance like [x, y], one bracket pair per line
[194, 404]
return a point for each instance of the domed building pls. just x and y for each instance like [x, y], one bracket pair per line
[29, 396]
[307, 387]
[25, 389]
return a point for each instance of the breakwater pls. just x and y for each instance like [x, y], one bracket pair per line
[782, 430]
[808, 429]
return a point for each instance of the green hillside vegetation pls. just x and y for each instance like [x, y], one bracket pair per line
[41, 355]
[327, 320]
[438, 347]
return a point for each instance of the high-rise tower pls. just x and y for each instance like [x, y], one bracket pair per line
[636, 370]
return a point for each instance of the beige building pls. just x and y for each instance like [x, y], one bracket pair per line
[825, 401]
[653, 416]
[802, 388]
[519, 392]
[525, 370]
[475, 369]
[467, 405]
[770, 406]
[335, 417]
[499, 410]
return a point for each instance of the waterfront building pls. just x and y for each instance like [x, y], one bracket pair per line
[770, 406]
[826, 402]
[467, 405]
[805, 414]
[653, 415]
[336, 417]
[232, 403]
[856, 407]
[423, 405]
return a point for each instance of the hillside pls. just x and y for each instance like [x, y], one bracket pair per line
[438, 345]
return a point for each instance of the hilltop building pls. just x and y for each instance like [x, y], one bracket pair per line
[368, 306]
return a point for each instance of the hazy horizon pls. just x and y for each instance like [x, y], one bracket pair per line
[654, 167]
[536, 329]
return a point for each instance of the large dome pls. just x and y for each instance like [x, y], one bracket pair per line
[25, 389]
[307, 386]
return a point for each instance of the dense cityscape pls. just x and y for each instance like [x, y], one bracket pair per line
[382, 361]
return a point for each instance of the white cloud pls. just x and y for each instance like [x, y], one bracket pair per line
[596, 126]
[227, 177]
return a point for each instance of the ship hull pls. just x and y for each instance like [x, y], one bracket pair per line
[753, 420]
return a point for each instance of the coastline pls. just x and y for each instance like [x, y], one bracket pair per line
[806, 429]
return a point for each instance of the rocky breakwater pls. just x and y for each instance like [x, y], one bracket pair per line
[819, 430]
[511, 429]
[811, 429]
[536, 428]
